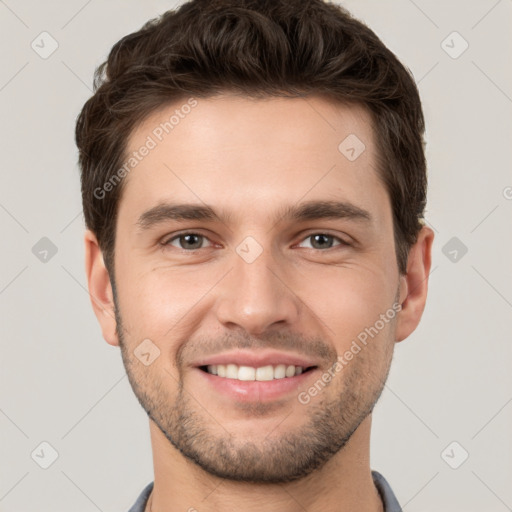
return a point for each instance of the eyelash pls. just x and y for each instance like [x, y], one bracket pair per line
[180, 235]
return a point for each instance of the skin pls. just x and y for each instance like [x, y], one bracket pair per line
[249, 158]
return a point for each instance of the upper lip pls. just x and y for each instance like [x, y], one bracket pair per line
[257, 359]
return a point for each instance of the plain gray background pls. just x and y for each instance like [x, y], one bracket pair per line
[62, 384]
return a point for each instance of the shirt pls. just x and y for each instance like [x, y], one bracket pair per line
[386, 493]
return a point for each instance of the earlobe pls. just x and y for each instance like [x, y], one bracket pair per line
[100, 288]
[414, 284]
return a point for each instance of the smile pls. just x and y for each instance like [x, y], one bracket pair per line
[249, 373]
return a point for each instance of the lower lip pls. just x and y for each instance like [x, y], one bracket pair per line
[256, 391]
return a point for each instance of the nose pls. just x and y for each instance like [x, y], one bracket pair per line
[256, 297]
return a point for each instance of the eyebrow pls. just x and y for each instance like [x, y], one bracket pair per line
[309, 210]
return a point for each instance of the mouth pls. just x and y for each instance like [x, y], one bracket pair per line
[250, 373]
[262, 384]
[254, 376]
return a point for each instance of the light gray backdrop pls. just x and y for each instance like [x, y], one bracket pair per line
[449, 395]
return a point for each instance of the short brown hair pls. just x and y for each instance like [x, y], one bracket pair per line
[259, 48]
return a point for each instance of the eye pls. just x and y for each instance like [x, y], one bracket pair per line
[323, 241]
[193, 241]
[187, 241]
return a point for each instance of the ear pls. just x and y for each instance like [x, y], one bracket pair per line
[100, 288]
[414, 284]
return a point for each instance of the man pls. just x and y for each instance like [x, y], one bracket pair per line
[253, 183]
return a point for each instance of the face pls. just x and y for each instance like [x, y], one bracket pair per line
[247, 237]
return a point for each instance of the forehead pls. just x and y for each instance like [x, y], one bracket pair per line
[243, 153]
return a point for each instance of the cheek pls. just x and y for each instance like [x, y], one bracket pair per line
[348, 300]
[159, 303]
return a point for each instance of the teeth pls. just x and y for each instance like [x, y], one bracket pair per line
[280, 371]
[263, 373]
[290, 371]
[232, 371]
[246, 373]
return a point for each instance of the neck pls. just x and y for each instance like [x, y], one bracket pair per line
[343, 484]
